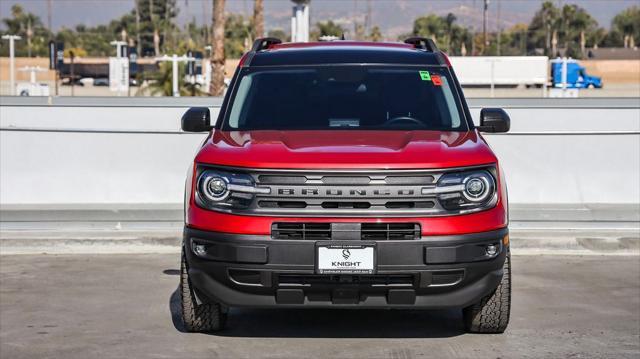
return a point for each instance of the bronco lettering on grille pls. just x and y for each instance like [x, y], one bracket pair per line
[353, 192]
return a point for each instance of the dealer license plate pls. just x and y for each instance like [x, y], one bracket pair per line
[346, 259]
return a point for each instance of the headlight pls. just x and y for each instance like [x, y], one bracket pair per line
[213, 187]
[466, 191]
[221, 190]
[477, 187]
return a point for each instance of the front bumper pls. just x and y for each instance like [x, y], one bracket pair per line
[430, 273]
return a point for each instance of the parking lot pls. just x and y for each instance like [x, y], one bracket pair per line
[114, 306]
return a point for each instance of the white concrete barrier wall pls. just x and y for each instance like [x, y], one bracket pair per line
[119, 151]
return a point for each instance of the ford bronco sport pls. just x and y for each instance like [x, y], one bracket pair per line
[345, 175]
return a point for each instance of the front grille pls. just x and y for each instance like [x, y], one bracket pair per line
[323, 231]
[346, 193]
[302, 231]
[390, 231]
[342, 280]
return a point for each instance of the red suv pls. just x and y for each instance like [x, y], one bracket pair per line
[345, 175]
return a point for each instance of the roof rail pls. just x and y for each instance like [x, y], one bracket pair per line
[264, 43]
[422, 43]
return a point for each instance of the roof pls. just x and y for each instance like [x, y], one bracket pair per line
[614, 53]
[343, 52]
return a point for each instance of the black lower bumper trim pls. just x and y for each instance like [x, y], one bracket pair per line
[433, 272]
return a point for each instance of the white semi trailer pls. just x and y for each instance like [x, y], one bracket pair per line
[502, 70]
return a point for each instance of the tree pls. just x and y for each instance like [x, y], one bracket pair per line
[432, 26]
[449, 36]
[28, 26]
[375, 35]
[449, 20]
[583, 23]
[258, 19]
[160, 83]
[157, 19]
[543, 28]
[328, 28]
[568, 14]
[627, 24]
[279, 34]
[218, 56]
[571, 25]
[237, 35]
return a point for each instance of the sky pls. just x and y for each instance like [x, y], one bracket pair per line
[393, 16]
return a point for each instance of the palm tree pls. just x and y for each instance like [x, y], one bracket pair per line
[549, 15]
[218, 57]
[581, 23]
[568, 16]
[258, 19]
[449, 19]
[161, 82]
[375, 35]
[628, 24]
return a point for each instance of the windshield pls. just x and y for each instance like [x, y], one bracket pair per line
[344, 97]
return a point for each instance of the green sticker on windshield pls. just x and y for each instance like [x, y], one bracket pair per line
[425, 76]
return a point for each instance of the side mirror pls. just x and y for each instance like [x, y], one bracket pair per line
[494, 120]
[196, 119]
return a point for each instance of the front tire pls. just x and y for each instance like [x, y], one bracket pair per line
[491, 313]
[204, 317]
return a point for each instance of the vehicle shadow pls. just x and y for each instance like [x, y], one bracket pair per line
[333, 323]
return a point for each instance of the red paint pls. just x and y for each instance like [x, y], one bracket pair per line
[437, 81]
[446, 58]
[343, 149]
[243, 59]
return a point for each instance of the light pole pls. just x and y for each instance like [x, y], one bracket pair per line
[485, 39]
[174, 69]
[12, 64]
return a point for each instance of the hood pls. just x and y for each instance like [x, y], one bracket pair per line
[341, 149]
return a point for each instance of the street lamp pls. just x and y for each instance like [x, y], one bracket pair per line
[174, 69]
[12, 65]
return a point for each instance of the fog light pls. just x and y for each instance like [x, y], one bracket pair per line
[200, 250]
[492, 250]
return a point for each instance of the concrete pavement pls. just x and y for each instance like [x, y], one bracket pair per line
[115, 306]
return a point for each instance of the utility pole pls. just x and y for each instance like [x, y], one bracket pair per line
[205, 23]
[174, 69]
[29, 35]
[138, 42]
[12, 61]
[499, 27]
[485, 39]
[368, 21]
[49, 11]
[73, 73]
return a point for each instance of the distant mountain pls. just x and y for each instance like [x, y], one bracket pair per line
[396, 16]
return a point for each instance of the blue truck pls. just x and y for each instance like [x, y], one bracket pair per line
[577, 77]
